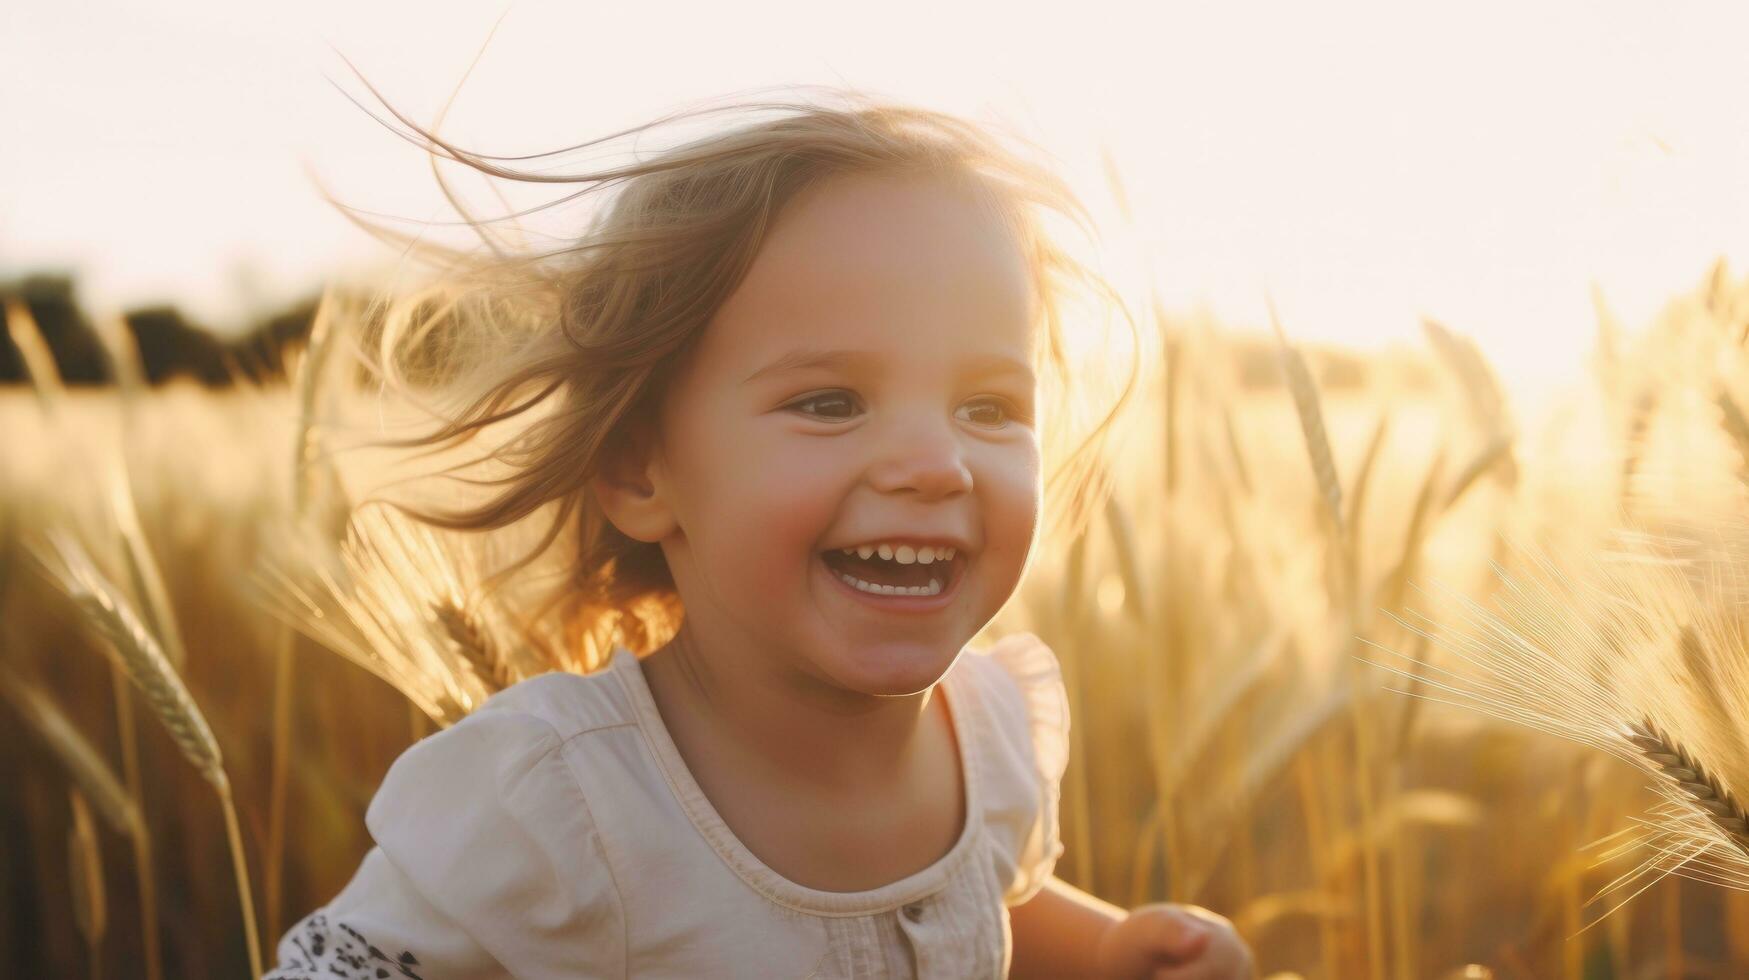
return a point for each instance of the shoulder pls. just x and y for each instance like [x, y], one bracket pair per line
[502, 762]
[570, 704]
[438, 781]
[489, 822]
[1020, 682]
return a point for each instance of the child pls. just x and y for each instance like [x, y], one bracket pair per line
[798, 368]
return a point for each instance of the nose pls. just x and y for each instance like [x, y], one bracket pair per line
[922, 457]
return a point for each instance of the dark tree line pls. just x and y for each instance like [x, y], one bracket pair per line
[170, 344]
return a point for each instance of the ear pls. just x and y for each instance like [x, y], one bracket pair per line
[628, 488]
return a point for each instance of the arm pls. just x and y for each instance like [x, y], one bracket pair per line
[1063, 931]
[1057, 932]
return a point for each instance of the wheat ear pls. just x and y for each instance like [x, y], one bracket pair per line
[134, 648]
[470, 640]
[1487, 403]
[1701, 787]
[39, 361]
[1737, 427]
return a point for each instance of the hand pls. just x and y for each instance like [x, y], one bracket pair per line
[1174, 942]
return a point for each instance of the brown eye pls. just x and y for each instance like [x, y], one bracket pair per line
[831, 406]
[987, 412]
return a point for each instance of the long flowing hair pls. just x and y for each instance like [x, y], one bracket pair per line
[574, 344]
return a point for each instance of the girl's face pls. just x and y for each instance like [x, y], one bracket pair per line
[850, 458]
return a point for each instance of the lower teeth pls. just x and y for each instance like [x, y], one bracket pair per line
[933, 588]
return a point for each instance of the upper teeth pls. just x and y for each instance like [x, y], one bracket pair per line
[904, 554]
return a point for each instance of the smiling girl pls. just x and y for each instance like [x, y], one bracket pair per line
[796, 377]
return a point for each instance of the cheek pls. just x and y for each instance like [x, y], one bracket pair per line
[1011, 500]
[794, 500]
[756, 506]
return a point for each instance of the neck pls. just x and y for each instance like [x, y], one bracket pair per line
[780, 718]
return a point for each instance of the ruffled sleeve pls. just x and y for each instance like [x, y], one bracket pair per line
[379, 926]
[1028, 709]
[487, 864]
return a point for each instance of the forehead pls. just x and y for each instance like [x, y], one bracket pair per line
[919, 267]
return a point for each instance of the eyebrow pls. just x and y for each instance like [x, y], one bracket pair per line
[804, 358]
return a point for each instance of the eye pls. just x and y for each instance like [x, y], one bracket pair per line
[992, 413]
[829, 406]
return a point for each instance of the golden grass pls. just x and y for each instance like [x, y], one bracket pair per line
[1236, 627]
[136, 650]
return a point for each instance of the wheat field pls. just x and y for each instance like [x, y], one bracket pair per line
[1404, 690]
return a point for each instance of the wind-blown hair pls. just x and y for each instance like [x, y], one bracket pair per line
[577, 343]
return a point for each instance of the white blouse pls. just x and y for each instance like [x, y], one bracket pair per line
[556, 832]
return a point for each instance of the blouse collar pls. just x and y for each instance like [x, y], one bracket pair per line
[963, 713]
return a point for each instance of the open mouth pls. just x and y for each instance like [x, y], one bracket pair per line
[896, 570]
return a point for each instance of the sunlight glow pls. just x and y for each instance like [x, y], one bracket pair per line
[1361, 164]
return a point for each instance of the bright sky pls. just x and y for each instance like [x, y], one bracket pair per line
[1482, 163]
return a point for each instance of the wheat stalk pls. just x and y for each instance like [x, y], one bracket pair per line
[1129, 563]
[1074, 607]
[1421, 516]
[1172, 353]
[1487, 403]
[1317, 439]
[1497, 453]
[1718, 290]
[39, 361]
[51, 392]
[1363, 478]
[304, 451]
[1241, 469]
[1737, 427]
[1634, 442]
[89, 772]
[85, 876]
[1691, 777]
[1344, 587]
[134, 648]
[97, 783]
[143, 575]
[377, 599]
[1585, 660]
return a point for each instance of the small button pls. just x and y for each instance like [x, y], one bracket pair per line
[914, 912]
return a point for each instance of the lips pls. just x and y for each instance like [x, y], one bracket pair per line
[947, 573]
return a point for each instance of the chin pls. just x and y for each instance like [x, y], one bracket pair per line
[890, 668]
